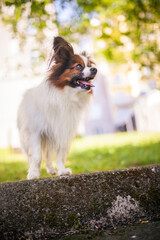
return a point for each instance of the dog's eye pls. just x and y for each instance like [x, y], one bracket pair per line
[79, 66]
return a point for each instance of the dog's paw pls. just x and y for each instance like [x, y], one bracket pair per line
[32, 174]
[51, 171]
[66, 171]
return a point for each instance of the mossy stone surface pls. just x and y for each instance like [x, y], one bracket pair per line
[47, 208]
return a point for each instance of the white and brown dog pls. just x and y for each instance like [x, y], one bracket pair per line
[49, 114]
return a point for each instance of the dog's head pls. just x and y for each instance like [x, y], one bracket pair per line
[69, 69]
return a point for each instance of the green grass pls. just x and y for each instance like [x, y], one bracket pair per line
[91, 154]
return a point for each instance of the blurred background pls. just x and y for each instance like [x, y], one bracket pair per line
[123, 36]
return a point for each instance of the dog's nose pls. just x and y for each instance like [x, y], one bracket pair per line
[93, 70]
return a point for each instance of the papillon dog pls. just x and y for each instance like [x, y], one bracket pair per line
[49, 114]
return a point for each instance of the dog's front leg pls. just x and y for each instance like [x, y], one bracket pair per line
[61, 158]
[49, 155]
[34, 155]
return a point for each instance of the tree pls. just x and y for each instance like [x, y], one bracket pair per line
[123, 30]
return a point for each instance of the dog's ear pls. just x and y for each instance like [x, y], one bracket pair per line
[62, 50]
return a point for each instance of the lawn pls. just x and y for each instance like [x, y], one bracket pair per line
[92, 154]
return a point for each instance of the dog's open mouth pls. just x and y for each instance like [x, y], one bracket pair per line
[84, 83]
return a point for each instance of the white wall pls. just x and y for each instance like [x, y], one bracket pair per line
[147, 112]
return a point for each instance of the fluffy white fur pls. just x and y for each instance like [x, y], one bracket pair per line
[47, 120]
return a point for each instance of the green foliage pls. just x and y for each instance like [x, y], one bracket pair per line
[91, 154]
[32, 14]
[129, 30]
[132, 29]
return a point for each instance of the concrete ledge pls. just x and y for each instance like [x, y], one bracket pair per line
[46, 208]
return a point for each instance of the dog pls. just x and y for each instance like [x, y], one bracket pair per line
[49, 114]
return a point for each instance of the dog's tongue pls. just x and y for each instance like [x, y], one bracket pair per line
[86, 83]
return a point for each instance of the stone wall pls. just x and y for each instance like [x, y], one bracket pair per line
[46, 208]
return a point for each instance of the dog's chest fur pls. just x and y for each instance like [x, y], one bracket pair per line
[54, 113]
